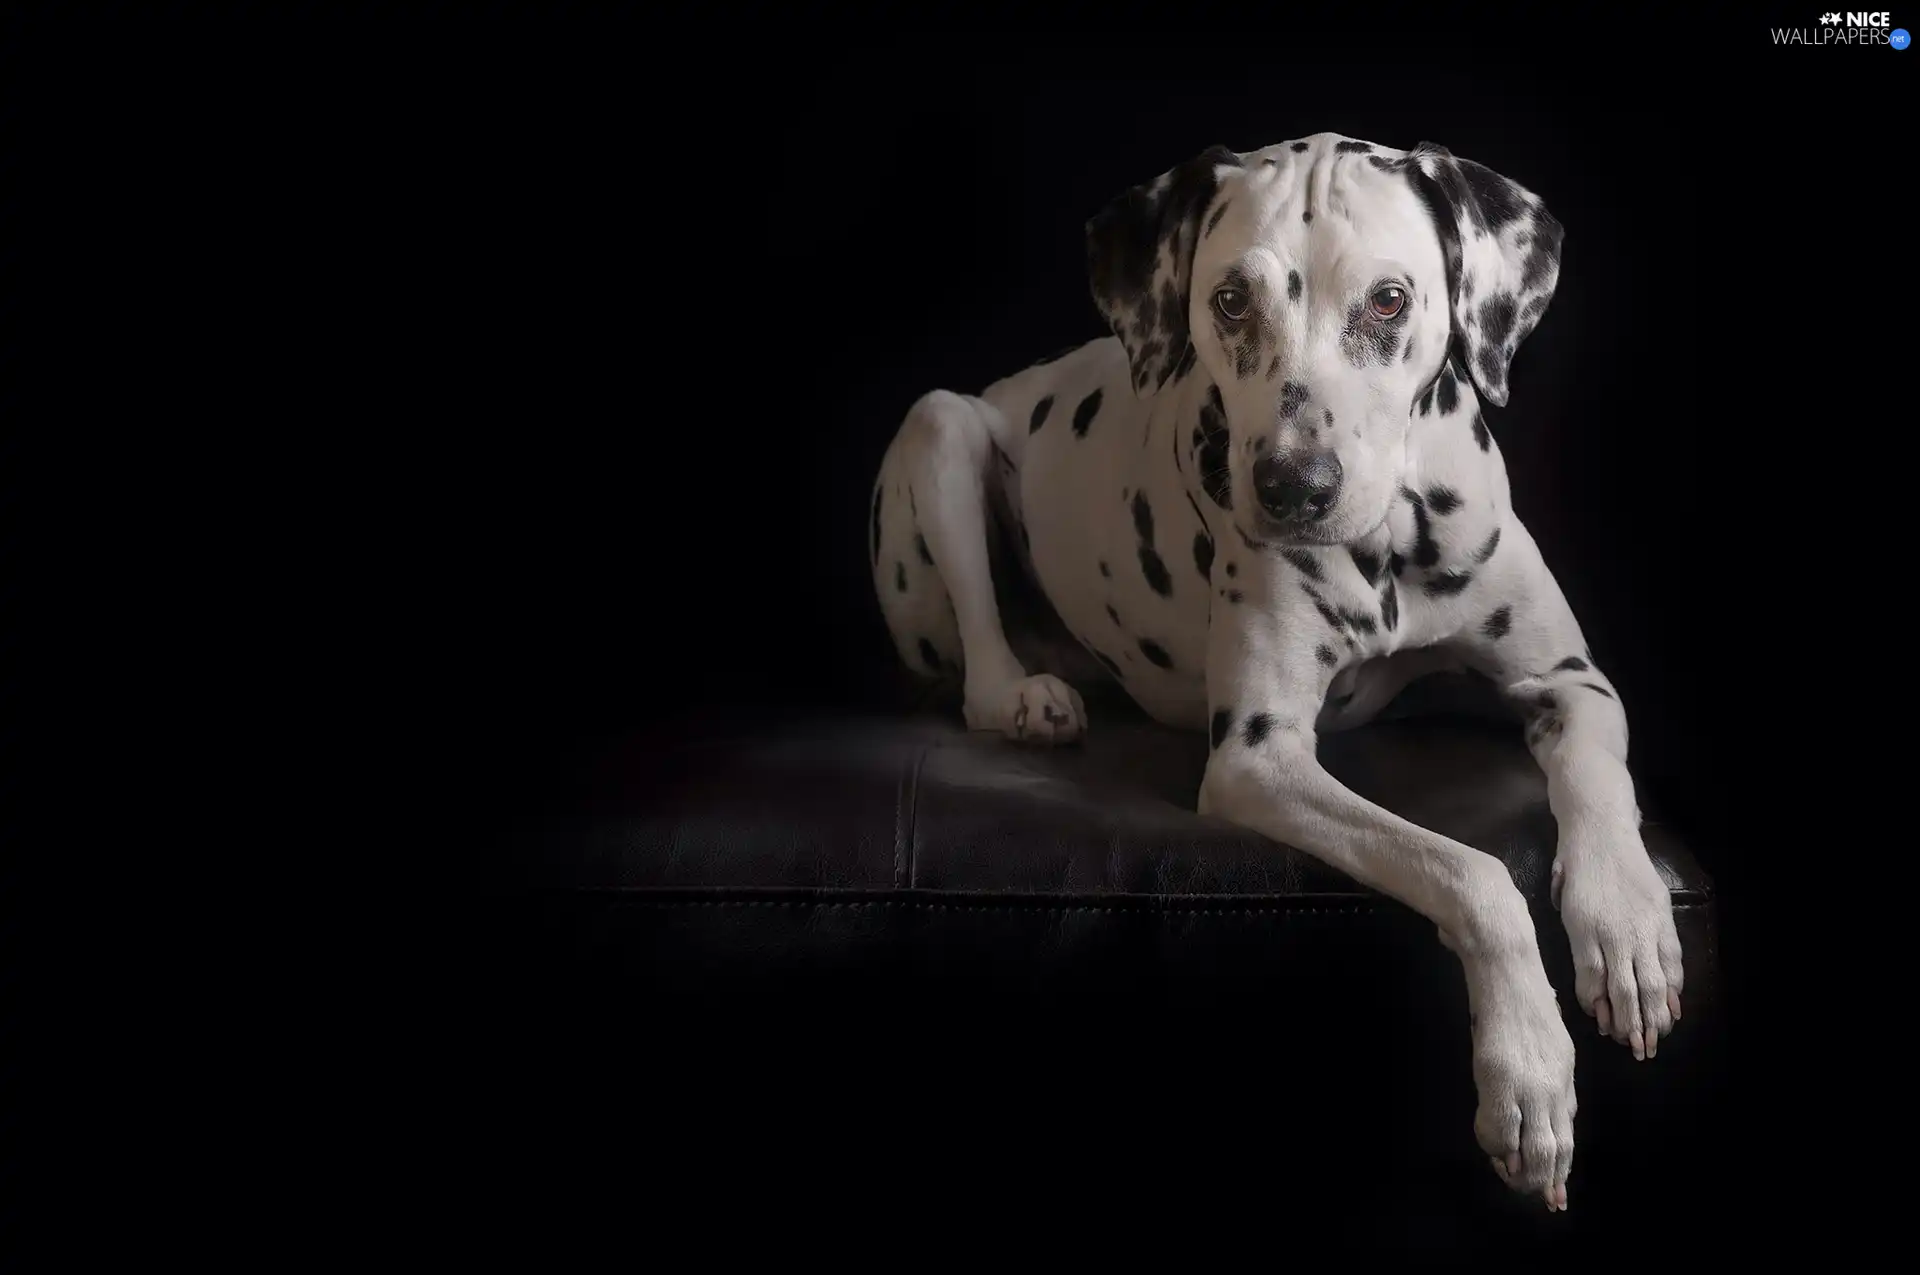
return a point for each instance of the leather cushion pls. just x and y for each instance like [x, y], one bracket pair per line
[920, 803]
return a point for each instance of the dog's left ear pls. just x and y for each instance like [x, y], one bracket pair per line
[1502, 250]
[1140, 263]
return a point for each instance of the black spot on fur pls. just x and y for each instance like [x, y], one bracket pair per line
[1448, 583]
[1233, 569]
[1396, 563]
[1155, 652]
[1496, 320]
[1159, 579]
[1106, 662]
[1083, 415]
[1358, 621]
[1425, 401]
[1425, 551]
[1039, 416]
[1352, 147]
[1595, 686]
[1221, 723]
[1327, 613]
[1448, 390]
[1256, 730]
[1407, 355]
[1499, 624]
[1306, 218]
[1234, 596]
[873, 552]
[1307, 565]
[900, 576]
[1572, 664]
[920, 543]
[1496, 200]
[1186, 363]
[1106, 570]
[1325, 655]
[1246, 359]
[929, 655]
[1367, 561]
[1292, 396]
[1210, 441]
[1480, 434]
[1486, 550]
[1114, 615]
[1203, 554]
[1389, 605]
[1214, 220]
[1293, 285]
[1298, 147]
[1329, 418]
[1142, 517]
[1443, 500]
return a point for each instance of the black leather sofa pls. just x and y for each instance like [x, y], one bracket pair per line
[881, 930]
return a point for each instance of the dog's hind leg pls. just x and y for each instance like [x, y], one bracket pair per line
[928, 543]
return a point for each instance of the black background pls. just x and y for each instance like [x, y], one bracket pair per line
[514, 377]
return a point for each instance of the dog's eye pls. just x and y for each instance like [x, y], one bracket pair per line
[1388, 300]
[1232, 304]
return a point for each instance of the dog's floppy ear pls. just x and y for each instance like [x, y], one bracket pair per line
[1140, 263]
[1503, 258]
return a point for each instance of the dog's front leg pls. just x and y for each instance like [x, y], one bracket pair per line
[1267, 671]
[1617, 911]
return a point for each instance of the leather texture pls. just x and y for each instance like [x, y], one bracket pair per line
[890, 814]
[889, 914]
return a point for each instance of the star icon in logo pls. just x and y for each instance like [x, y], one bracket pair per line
[1829, 19]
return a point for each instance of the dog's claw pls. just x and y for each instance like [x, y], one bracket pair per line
[1008, 707]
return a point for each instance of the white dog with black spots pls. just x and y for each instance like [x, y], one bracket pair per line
[1265, 505]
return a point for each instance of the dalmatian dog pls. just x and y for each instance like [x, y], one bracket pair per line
[1264, 505]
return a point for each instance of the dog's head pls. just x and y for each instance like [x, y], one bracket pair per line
[1321, 285]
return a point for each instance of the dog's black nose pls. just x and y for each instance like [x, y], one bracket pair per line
[1303, 488]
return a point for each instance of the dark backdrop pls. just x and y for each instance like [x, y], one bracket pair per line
[564, 346]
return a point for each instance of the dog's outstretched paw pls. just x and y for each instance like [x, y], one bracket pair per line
[1626, 952]
[1037, 710]
[1523, 1069]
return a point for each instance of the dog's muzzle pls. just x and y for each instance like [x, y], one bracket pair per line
[1296, 491]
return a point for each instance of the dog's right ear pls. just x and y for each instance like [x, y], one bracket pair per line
[1140, 263]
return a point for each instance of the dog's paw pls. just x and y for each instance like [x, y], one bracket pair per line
[1626, 952]
[1523, 1071]
[1039, 710]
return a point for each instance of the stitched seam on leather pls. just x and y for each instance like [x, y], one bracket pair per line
[986, 905]
[906, 808]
